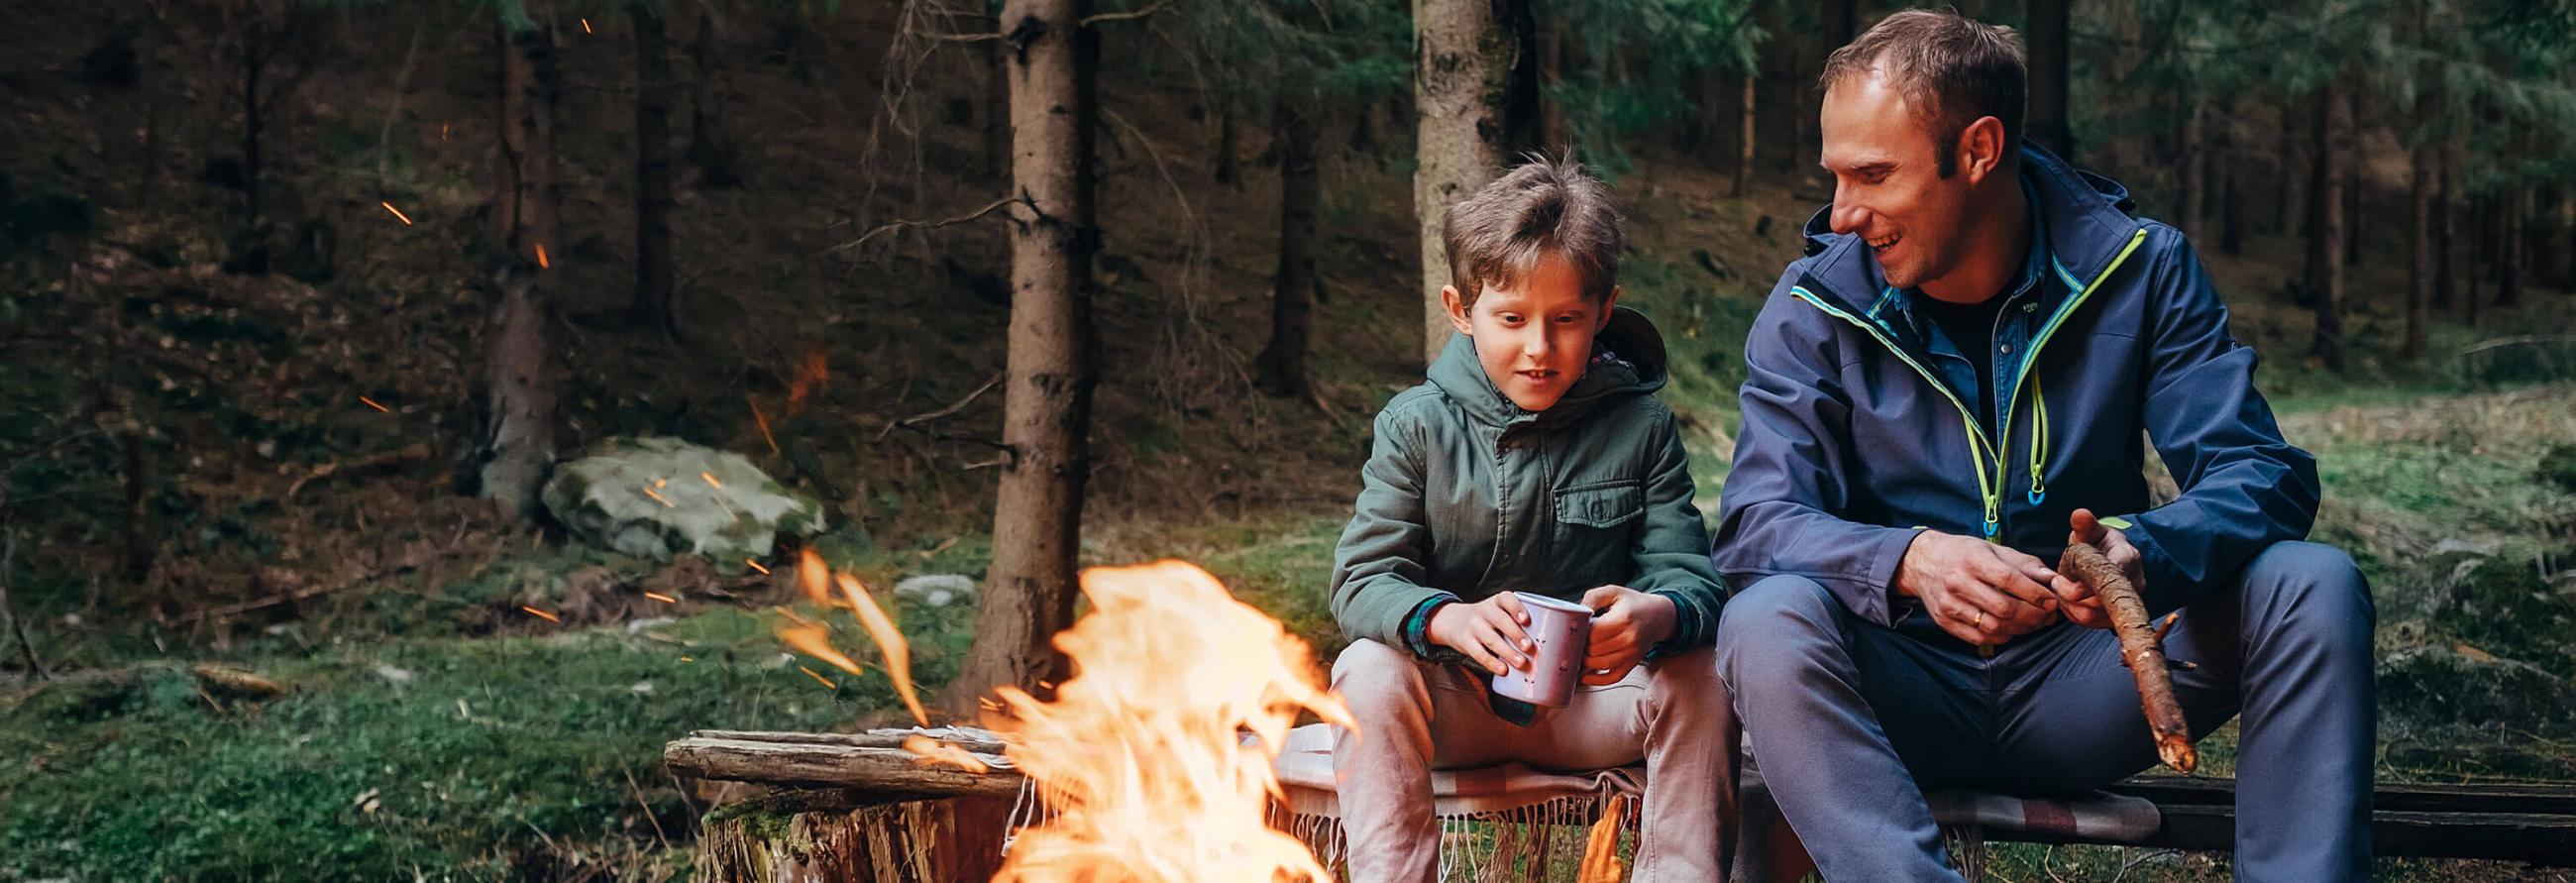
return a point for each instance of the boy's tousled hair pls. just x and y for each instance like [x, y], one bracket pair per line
[1546, 206]
[1951, 68]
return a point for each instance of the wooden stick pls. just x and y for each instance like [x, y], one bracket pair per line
[2139, 650]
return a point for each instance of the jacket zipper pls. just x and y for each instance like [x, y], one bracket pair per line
[1979, 445]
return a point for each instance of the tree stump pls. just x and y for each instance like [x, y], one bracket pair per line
[846, 834]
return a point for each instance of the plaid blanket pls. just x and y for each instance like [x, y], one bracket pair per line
[1306, 779]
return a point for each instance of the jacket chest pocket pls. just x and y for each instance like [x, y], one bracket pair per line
[1602, 505]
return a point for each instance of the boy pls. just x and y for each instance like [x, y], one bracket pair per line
[1535, 459]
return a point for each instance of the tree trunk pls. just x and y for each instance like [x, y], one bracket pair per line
[2419, 252]
[254, 62]
[1292, 313]
[2195, 170]
[855, 836]
[653, 308]
[2048, 78]
[2325, 246]
[1225, 144]
[1457, 87]
[2482, 255]
[997, 115]
[1743, 185]
[1046, 419]
[2290, 162]
[1518, 22]
[1555, 135]
[710, 151]
[519, 392]
[2352, 214]
[2509, 256]
[2231, 208]
[2446, 226]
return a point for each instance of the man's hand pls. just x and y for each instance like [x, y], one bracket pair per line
[1625, 624]
[1979, 592]
[2080, 604]
[1492, 631]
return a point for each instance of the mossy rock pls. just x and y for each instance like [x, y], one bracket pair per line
[2442, 686]
[655, 497]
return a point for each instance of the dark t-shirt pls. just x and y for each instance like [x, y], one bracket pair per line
[1971, 328]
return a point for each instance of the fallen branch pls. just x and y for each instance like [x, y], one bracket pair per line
[1107, 17]
[951, 408]
[931, 225]
[412, 453]
[2139, 650]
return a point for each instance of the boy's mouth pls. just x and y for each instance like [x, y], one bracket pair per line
[1536, 375]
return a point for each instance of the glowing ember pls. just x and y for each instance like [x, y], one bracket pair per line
[755, 565]
[585, 25]
[657, 596]
[389, 206]
[542, 263]
[710, 479]
[540, 614]
[818, 676]
[763, 420]
[1141, 752]
[372, 404]
[666, 504]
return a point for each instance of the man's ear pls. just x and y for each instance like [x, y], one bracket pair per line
[1981, 148]
[1457, 309]
[1609, 307]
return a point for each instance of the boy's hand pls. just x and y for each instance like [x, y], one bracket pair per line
[2080, 603]
[1979, 592]
[1625, 622]
[1489, 631]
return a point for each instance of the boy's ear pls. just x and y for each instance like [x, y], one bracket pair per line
[1609, 307]
[1457, 309]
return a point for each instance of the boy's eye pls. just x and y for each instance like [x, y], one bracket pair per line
[1513, 318]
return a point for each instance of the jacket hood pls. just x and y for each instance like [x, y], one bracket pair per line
[1639, 368]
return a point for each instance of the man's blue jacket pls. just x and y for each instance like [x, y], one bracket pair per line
[1853, 441]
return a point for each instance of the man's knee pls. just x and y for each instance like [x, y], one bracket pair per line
[1769, 626]
[1376, 680]
[2312, 578]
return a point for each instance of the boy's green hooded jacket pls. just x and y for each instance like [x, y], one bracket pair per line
[1466, 495]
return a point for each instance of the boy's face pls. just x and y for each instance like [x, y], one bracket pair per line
[1534, 337]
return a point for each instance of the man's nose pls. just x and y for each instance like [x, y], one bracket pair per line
[1847, 219]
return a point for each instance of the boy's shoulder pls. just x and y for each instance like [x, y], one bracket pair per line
[1413, 407]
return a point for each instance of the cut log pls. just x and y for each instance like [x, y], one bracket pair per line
[811, 762]
[840, 834]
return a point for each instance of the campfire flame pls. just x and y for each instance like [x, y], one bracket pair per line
[815, 639]
[1142, 754]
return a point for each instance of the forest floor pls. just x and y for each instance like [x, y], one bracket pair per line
[273, 455]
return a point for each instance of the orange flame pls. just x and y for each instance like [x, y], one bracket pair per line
[815, 578]
[815, 641]
[810, 374]
[935, 751]
[898, 653]
[1139, 752]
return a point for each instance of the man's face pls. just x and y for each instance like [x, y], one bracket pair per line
[1534, 337]
[1888, 188]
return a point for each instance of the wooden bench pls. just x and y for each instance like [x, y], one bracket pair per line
[944, 822]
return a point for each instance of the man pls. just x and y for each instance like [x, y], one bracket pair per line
[1958, 372]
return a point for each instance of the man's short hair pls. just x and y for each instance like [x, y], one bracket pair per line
[1952, 69]
[1497, 235]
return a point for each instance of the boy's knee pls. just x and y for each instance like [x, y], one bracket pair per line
[1375, 679]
